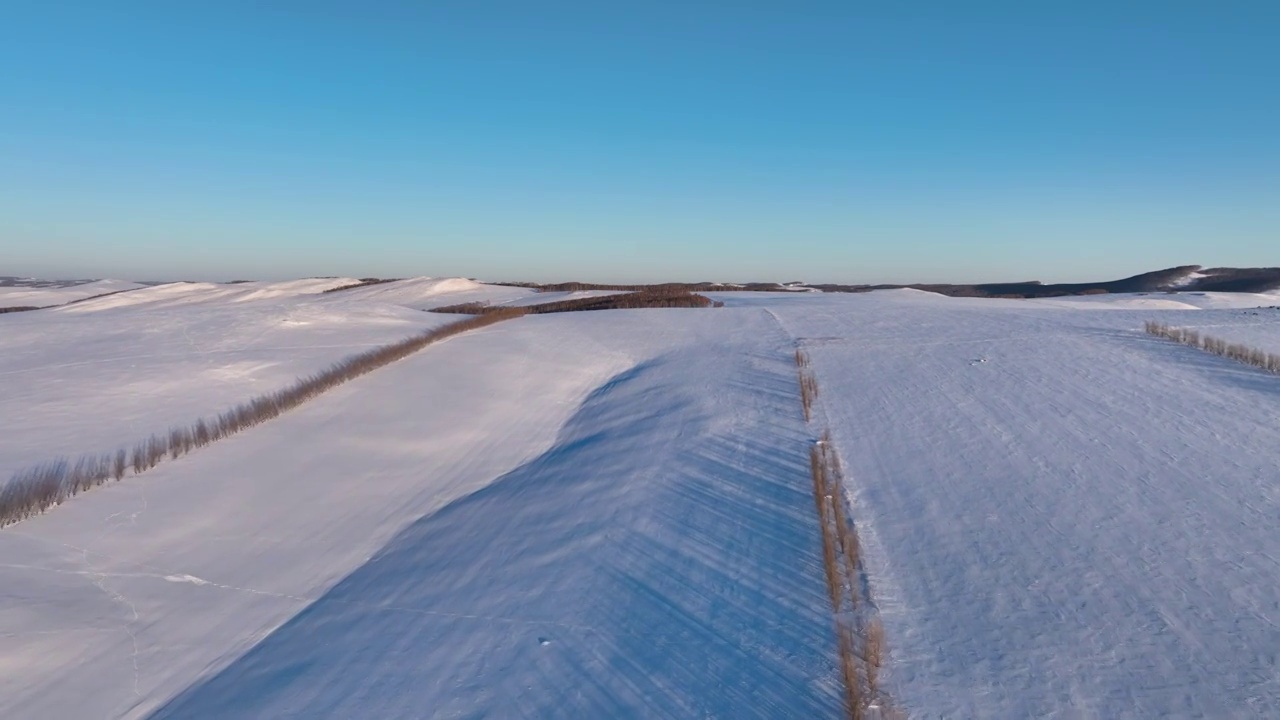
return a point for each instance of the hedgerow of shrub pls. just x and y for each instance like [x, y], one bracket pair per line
[624, 301]
[38, 488]
[1235, 351]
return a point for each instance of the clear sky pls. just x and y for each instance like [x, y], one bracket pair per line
[630, 141]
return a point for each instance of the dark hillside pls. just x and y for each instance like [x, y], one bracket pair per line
[1168, 280]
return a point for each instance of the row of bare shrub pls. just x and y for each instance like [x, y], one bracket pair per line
[36, 489]
[808, 384]
[1234, 351]
[105, 294]
[683, 287]
[625, 301]
[26, 308]
[658, 298]
[860, 640]
[468, 308]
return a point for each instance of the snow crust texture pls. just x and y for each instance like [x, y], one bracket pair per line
[610, 514]
[26, 296]
[587, 514]
[97, 375]
[1061, 515]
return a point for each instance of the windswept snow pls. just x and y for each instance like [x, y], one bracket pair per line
[423, 293]
[1188, 279]
[1083, 523]
[45, 296]
[609, 514]
[543, 298]
[181, 294]
[89, 377]
[597, 514]
[1164, 301]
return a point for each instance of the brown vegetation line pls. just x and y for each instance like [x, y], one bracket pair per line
[686, 287]
[1235, 351]
[26, 308]
[662, 298]
[362, 282]
[860, 640]
[34, 490]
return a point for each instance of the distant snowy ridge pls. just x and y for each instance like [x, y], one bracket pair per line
[46, 294]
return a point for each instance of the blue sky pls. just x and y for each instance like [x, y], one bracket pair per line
[824, 141]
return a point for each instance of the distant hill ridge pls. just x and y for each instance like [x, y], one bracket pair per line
[1185, 278]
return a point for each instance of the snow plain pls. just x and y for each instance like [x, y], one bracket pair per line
[1062, 515]
[24, 296]
[95, 375]
[607, 514]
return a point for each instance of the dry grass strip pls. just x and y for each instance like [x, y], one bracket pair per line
[808, 384]
[624, 301]
[860, 638]
[1260, 359]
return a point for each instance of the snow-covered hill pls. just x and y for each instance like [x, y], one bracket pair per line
[609, 513]
[425, 292]
[33, 294]
[571, 511]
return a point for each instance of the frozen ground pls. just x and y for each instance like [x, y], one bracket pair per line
[607, 514]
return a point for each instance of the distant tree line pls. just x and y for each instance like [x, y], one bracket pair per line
[1185, 278]
[688, 287]
[652, 298]
[363, 282]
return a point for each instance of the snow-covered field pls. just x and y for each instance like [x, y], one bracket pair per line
[608, 514]
[26, 296]
[1062, 515]
[94, 375]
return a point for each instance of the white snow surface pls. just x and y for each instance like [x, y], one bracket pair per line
[1189, 278]
[596, 514]
[1257, 327]
[180, 294]
[1164, 301]
[1063, 516]
[20, 296]
[608, 514]
[425, 292]
[560, 296]
[92, 376]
